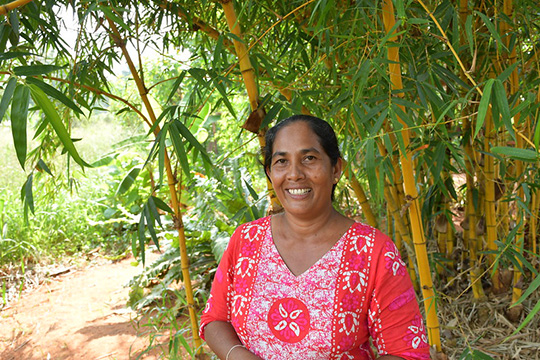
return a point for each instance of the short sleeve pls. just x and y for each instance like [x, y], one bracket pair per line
[394, 318]
[218, 305]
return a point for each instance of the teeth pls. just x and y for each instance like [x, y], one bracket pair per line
[299, 191]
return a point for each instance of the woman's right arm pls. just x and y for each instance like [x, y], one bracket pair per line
[221, 337]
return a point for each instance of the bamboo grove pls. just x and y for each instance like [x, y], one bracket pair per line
[436, 104]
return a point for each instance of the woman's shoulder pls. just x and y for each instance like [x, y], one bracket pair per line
[372, 236]
[253, 229]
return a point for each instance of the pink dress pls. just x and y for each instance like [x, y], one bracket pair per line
[359, 289]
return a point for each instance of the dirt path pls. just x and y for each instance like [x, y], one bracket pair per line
[78, 315]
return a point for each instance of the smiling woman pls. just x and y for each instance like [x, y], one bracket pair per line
[310, 283]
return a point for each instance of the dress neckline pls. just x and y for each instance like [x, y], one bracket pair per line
[282, 262]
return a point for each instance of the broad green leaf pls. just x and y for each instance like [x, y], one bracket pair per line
[128, 180]
[484, 105]
[271, 114]
[58, 95]
[6, 97]
[468, 32]
[41, 99]
[535, 284]
[517, 153]
[32, 70]
[153, 210]
[537, 135]
[19, 117]
[506, 73]
[176, 84]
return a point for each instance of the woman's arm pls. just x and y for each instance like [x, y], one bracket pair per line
[221, 337]
[389, 357]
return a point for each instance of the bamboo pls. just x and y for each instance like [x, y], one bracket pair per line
[115, 35]
[490, 214]
[411, 193]
[361, 196]
[6, 8]
[248, 75]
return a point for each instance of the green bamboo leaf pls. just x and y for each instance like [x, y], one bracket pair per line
[6, 97]
[537, 135]
[191, 139]
[176, 85]
[162, 205]
[180, 150]
[468, 32]
[271, 115]
[142, 237]
[504, 108]
[27, 194]
[33, 70]
[13, 54]
[484, 105]
[517, 153]
[19, 117]
[128, 180]
[221, 89]
[507, 72]
[111, 14]
[492, 30]
[150, 226]
[41, 166]
[527, 320]
[41, 99]
[535, 284]
[153, 210]
[58, 95]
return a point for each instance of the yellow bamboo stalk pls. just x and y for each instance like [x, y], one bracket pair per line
[6, 8]
[489, 187]
[411, 193]
[115, 34]
[404, 234]
[248, 75]
[361, 196]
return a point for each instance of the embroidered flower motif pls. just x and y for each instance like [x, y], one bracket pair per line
[357, 261]
[354, 280]
[393, 260]
[350, 302]
[345, 343]
[349, 322]
[244, 266]
[416, 334]
[252, 231]
[288, 320]
[249, 248]
[238, 305]
[241, 286]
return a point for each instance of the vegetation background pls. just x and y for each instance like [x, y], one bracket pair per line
[435, 103]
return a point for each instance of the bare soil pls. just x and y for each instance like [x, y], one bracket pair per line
[81, 314]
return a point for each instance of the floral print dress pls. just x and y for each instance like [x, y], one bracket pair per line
[359, 289]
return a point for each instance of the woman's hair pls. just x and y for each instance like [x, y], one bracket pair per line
[323, 130]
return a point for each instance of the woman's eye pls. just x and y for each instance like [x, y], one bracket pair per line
[310, 157]
[280, 161]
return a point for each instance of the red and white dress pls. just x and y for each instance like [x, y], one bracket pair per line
[359, 289]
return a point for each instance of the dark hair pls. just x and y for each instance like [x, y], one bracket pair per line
[323, 130]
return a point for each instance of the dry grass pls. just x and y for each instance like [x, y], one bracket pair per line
[484, 326]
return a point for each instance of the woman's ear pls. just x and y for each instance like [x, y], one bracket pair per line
[338, 168]
[267, 171]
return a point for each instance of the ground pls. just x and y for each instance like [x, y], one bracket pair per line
[80, 314]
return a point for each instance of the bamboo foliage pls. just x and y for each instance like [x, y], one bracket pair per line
[411, 192]
[436, 103]
[171, 181]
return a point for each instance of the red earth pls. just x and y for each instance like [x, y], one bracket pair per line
[81, 314]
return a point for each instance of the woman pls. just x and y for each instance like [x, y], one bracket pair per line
[310, 283]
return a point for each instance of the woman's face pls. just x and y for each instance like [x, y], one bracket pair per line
[301, 172]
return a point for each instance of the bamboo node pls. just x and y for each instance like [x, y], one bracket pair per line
[178, 223]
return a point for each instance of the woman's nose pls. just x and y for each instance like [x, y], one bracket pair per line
[295, 172]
